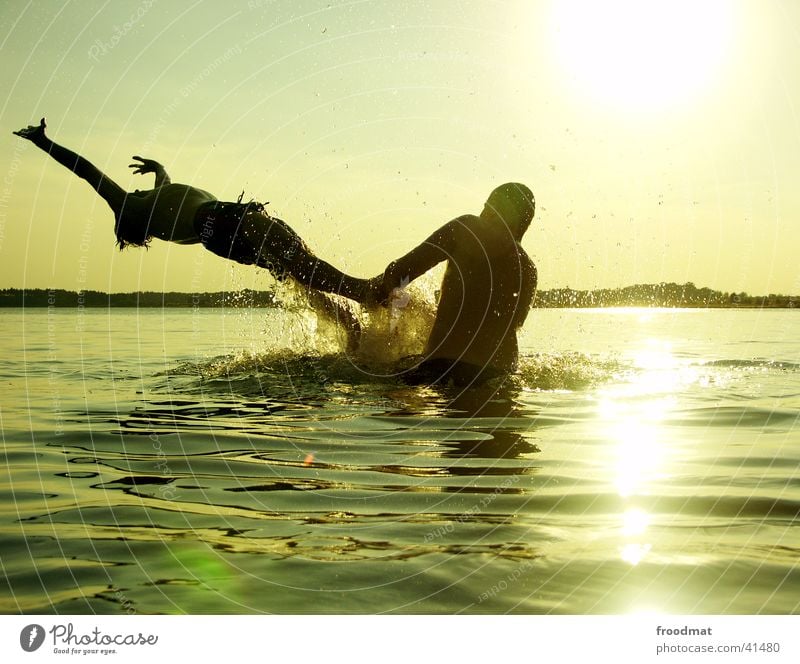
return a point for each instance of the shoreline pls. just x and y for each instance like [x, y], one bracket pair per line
[647, 296]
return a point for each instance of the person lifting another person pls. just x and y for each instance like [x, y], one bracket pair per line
[487, 290]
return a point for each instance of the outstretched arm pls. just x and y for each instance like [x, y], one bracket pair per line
[151, 166]
[111, 192]
[432, 251]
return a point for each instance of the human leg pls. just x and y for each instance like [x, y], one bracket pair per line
[320, 275]
[280, 248]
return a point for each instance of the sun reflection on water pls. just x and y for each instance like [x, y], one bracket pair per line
[634, 526]
[632, 414]
[633, 553]
[639, 455]
[634, 522]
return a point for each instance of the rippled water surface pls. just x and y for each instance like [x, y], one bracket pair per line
[215, 461]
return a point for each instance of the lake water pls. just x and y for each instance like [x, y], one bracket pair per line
[189, 461]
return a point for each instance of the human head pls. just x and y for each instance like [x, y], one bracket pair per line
[130, 230]
[513, 203]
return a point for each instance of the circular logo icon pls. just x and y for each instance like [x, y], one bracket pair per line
[31, 637]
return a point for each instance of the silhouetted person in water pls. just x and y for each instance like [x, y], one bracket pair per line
[486, 293]
[242, 232]
[487, 290]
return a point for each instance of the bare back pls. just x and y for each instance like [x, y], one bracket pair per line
[169, 211]
[486, 294]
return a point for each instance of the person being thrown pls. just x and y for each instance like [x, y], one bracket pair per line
[243, 232]
[487, 290]
[486, 293]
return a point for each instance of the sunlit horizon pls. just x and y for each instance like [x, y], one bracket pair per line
[366, 126]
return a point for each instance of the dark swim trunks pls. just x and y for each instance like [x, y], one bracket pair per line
[245, 233]
[441, 371]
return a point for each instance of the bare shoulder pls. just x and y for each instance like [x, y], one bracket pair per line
[467, 225]
[181, 188]
[447, 236]
[175, 192]
[466, 220]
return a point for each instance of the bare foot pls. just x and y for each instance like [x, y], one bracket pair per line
[33, 133]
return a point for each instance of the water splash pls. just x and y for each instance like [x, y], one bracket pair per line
[566, 371]
[321, 341]
[399, 330]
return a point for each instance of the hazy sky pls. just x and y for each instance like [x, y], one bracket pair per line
[662, 139]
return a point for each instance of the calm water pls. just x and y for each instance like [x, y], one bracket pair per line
[187, 462]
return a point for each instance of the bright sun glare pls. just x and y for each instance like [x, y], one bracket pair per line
[642, 54]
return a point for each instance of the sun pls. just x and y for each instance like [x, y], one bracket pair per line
[642, 54]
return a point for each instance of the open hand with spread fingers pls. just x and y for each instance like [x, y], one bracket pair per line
[33, 133]
[147, 166]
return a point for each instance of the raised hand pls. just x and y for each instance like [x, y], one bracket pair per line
[147, 166]
[33, 133]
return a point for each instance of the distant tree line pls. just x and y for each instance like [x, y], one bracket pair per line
[660, 295]
[642, 295]
[56, 297]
